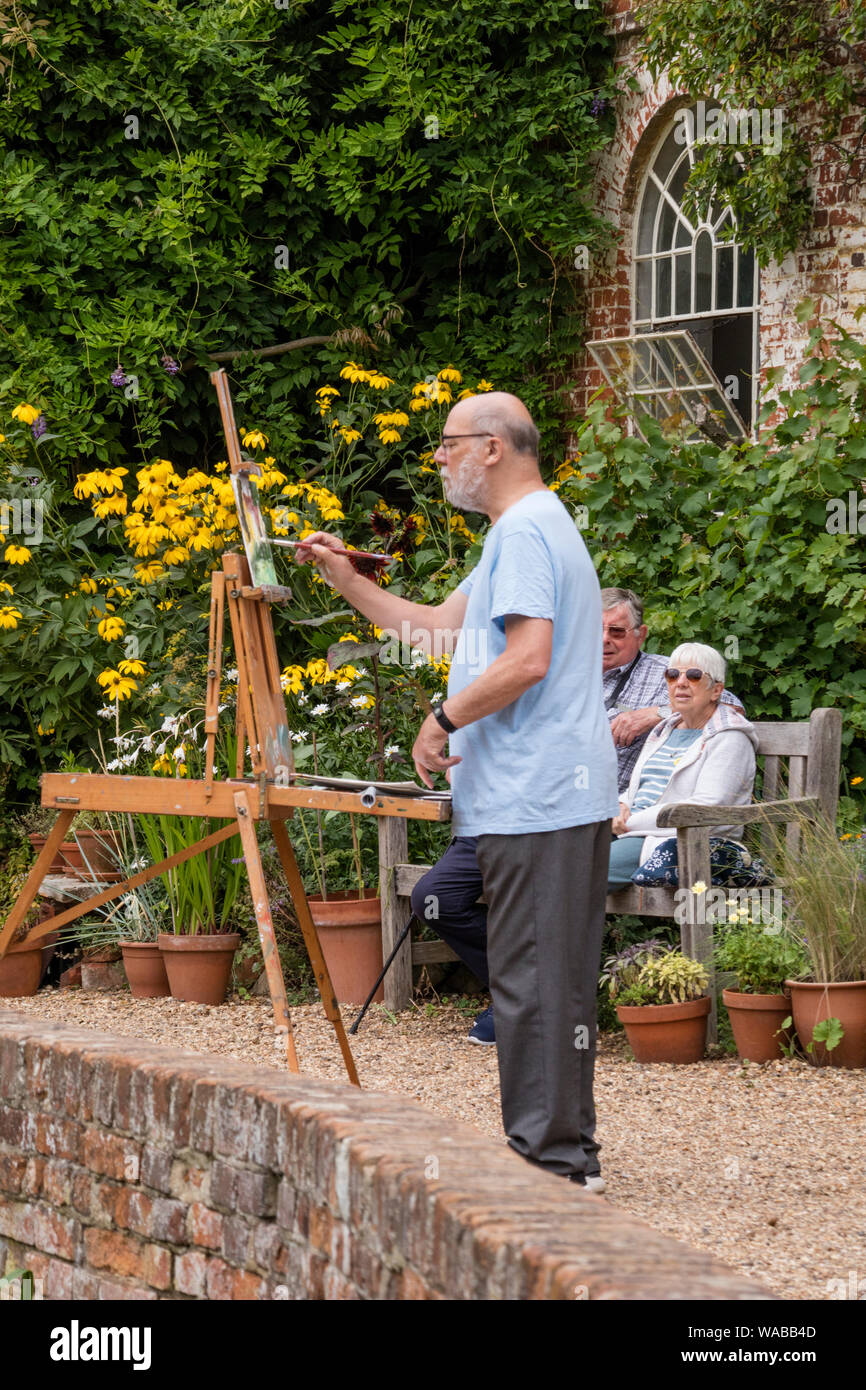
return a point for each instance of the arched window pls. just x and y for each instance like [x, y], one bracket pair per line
[686, 277]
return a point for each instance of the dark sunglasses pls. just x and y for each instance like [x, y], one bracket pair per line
[693, 674]
[617, 633]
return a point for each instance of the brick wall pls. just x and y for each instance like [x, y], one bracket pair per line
[829, 266]
[131, 1171]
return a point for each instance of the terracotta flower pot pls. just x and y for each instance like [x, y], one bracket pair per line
[350, 930]
[21, 970]
[69, 859]
[812, 1003]
[199, 967]
[756, 1019]
[666, 1032]
[58, 863]
[145, 969]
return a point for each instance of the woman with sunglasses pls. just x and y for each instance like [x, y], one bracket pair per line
[703, 753]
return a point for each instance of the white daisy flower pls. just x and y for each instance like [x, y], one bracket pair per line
[320, 709]
[392, 750]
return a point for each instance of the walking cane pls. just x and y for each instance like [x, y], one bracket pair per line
[385, 968]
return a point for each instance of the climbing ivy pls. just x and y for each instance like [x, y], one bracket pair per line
[801, 59]
[179, 179]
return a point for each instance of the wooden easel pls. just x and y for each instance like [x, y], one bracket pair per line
[241, 801]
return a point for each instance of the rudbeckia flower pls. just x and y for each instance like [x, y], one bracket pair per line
[26, 413]
[17, 554]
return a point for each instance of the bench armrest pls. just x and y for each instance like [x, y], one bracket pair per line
[683, 814]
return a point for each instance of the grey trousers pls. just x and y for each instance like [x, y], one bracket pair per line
[545, 895]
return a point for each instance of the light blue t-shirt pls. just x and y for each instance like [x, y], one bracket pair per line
[546, 761]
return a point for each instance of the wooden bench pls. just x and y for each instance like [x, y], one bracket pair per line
[798, 767]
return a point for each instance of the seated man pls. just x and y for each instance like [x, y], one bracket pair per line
[636, 699]
[703, 753]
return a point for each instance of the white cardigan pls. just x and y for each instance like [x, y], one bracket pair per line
[717, 770]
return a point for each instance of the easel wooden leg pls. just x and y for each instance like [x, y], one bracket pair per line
[311, 939]
[33, 882]
[262, 908]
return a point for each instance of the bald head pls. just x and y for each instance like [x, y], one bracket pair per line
[503, 415]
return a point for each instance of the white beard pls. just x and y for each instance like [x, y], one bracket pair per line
[465, 487]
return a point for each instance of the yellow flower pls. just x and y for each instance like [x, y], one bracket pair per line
[110, 506]
[352, 372]
[390, 436]
[465, 394]
[325, 392]
[111, 628]
[6, 588]
[26, 413]
[44, 732]
[163, 765]
[254, 439]
[855, 781]
[131, 668]
[9, 617]
[175, 555]
[146, 574]
[350, 435]
[166, 604]
[420, 403]
[87, 585]
[380, 382]
[116, 686]
[292, 679]
[484, 385]
[17, 554]
[319, 672]
[394, 417]
[449, 373]
[2, 439]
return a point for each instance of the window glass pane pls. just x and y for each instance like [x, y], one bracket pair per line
[683, 236]
[725, 277]
[666, 228]
[677, 184]
[668, 154]
[703, 273]
[746, 285]
[684, 284]
[643, 287]
[663, 289]
[647, 219]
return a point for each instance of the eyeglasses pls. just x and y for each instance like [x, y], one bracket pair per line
[617, 633]
[448, 439]
[693, 674]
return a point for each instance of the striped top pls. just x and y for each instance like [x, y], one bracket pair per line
[658, 769]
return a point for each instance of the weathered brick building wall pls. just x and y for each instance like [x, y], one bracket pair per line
[131, 1171]
[829, 266]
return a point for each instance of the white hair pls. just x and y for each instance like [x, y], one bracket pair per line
[711, 662]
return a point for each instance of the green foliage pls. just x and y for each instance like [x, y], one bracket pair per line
[737, 547]
[825, 896]
[761, 958]
[669, 978]
[179, 180]
[762, 54]
[828, 1031]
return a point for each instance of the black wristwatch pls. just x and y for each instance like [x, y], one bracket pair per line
[442, 719]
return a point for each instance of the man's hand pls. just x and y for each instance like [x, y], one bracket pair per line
[627, 727]
[427, 751]
[619, 822]
[336, 570]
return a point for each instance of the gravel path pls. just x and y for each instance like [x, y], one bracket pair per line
[761, 1165]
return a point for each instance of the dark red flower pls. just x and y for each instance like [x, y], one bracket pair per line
[381, 524]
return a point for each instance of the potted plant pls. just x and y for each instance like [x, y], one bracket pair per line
[825, 887]
[762, 958]
[87, 852]
[22, 964]
[664, 1011]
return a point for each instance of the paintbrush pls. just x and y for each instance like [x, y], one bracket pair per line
[352, 554]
